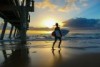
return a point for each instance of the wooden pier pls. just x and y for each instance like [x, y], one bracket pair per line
[16, 12]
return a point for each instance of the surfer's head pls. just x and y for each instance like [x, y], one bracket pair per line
[57, 24]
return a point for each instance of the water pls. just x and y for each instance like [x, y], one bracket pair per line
[77, 49]
[67, 37]
[46, 35]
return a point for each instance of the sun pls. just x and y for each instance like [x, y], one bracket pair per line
[49, 23]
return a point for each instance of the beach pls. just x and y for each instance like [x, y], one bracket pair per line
[73, 53]
[29, 30]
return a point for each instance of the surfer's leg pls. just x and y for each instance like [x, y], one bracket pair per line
[54, 43]
[59, 42]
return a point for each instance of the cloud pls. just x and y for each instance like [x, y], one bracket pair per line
[71, 1]
[84, 3]
[70, 5]
[41, 28]
[45, 4]
[68, 8]
[83, 23]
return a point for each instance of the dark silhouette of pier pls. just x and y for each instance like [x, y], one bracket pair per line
[18, 57]
[16, 12]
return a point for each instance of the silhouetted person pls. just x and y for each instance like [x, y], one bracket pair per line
[57, 35]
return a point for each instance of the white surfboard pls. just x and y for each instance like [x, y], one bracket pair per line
[63, 32]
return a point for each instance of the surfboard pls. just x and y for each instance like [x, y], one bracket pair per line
[63, 32]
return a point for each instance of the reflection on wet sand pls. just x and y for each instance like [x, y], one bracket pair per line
[45, 57]
[25, 56]
[57, 59]
[18, 58]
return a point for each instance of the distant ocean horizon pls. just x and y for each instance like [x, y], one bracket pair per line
[46, 35]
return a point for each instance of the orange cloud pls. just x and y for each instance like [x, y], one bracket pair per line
[71, 5]
[45, 4]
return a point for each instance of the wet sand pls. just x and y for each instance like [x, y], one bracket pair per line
[84, 53]
[64, 58]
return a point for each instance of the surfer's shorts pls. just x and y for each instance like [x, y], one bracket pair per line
[58, 38]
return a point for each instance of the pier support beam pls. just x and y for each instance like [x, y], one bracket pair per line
[3, 30]
[14, 35]
[5, 54]
[11, 31]
[23, 28]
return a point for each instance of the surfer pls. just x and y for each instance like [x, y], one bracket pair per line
[58, 35]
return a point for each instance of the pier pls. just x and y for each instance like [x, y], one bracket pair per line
[16, 12]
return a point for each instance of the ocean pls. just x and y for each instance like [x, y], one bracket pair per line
[46, 35]
[78, 49]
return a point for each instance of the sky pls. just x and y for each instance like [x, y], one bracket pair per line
[48, 12]
[62, 10]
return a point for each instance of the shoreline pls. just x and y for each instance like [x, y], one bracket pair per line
[70, 38]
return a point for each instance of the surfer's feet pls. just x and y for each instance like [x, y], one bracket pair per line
[52, 48]
[58, 46]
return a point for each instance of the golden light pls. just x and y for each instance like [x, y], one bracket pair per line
[51, 22]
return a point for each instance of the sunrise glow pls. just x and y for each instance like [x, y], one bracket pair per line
[51, 22]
